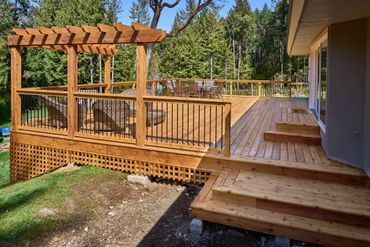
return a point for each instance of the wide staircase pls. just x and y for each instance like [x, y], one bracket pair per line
[328, 205]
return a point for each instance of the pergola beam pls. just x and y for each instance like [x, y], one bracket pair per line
[86, 35]
[107, 50]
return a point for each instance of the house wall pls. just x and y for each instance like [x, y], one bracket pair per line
[366, 164]
[345, 127]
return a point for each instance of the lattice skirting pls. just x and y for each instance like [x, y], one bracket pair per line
[29, 160]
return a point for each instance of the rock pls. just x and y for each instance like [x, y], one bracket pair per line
[282, 241]
[139, 179]
[46, 212]
[86, 229]
[180, 189]
[111, 214]
[68, 168]
[196, 226]
[235, 233]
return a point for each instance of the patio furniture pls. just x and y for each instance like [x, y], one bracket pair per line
[110, 115]
[216, 91]
[180, 89]
[193, 90]
[170, 88]
[153, 116]
[57, 113]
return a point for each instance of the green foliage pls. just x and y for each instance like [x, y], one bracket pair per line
[139, 12]
[4, 168]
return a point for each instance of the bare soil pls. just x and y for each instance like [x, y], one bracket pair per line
[110, 211]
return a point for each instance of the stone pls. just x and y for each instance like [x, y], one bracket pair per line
[282, 241]
[196, 226]
[68, 168]
[138, 179]
[46, 212]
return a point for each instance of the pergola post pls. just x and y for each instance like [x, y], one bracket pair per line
[107, 73]
[140, 93]
[16, 83]
[71, 89]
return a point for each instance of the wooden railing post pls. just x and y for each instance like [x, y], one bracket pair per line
[227, 129]
[71, 89]
[153, 88]
[231, 88]
[107, 73]
[259, 89]
[140, 92]
[16, 83]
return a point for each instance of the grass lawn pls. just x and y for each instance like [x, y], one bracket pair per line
[7, 124]
[4, 168]
[20, 202]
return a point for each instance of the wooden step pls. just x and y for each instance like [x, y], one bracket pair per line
[303, 197]
[281, 136]
[338, 174]
[229, 211]
[291, 226]
[295, 127]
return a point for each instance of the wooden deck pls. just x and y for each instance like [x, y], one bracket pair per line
[252, 116]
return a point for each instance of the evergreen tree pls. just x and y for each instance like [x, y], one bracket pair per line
[139, 12]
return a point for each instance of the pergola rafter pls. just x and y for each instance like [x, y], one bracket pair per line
[100, 39]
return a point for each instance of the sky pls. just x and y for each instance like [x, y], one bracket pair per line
[168, 15]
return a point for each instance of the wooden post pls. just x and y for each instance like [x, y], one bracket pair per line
[259, 89]
[71, 89]
[153, 88]
[231, 88]
[140, 92]
[16, 83]
[107, 74]
[227, 129]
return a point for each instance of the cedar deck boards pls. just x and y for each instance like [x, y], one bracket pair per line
[248, 130]
[318, 212]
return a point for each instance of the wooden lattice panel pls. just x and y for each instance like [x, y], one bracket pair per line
[28, 160]
[140, 167]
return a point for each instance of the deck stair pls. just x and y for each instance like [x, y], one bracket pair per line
[314, 211]
[294, 132]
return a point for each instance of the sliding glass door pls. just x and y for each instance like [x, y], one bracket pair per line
[321, 82]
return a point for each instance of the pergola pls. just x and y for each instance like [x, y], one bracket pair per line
[100, 39]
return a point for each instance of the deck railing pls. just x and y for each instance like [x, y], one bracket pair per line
[103, 112]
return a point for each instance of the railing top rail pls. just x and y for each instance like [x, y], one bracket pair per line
[105, 96]
[27, 91]
[187, 100]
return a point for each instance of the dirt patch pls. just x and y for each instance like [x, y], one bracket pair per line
[110, 211]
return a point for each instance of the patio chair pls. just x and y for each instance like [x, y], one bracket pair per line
[215, 92]
[170, 88]
[193, 90]
[180, 90]
[58, 112]
[110, 115]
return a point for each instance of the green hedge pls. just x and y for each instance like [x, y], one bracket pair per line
[4, 110]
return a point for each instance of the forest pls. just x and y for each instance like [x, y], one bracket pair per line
[244, 44]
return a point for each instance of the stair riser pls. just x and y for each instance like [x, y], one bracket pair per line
[281, 207]
[308, 236]
[269, 136]
[298, 128]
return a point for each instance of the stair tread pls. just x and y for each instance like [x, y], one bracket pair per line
[285, 220]
[334, 197]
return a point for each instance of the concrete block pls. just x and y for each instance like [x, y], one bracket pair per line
[197, 226]
[282, 241]
[139, 179]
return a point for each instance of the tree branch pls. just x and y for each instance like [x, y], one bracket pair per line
[199, 8]
[169, 5]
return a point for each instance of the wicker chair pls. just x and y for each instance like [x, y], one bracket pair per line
[57, 113]
[193, 90]
[110, 115]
